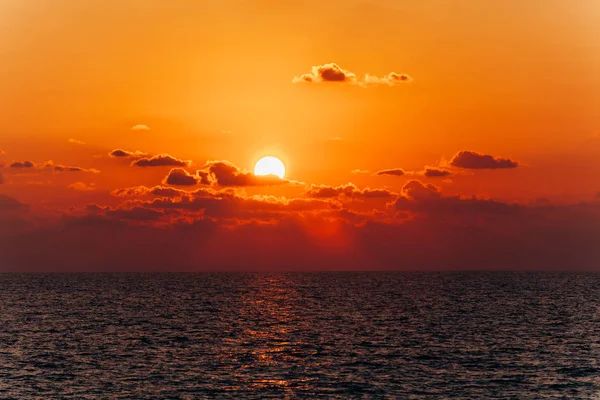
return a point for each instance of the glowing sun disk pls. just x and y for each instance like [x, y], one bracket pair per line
[269, 166]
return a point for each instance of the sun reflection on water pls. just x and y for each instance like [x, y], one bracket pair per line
[263, 343]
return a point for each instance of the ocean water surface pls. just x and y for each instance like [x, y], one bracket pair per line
[294, 335]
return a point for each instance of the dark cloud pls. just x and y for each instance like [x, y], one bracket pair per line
[166, 191]
[65, 168]
[214, 230]
[8, 203]
[162, 191]
[135, 214]
[51, 165]
[22, 164]
[219, 204]
[222, 173]
[472, 160]
[393, 171]
[226, 234]
[349, 190]
[435, 172]
[120, 153]
[204, 177]
[14, 220]
[94, 208]
[161, 160]
[225, 173]
[180, 177]
[427, 198]
[418, 191]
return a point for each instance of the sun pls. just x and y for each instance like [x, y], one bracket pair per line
[269, 166]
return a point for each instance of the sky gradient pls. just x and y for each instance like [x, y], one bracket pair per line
[415, 135]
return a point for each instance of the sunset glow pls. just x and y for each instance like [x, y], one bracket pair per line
[412, 133]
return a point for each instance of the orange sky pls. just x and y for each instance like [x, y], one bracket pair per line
[517, 80]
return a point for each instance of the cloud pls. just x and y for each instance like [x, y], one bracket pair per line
[179, 176]
[94, 208]
[204, 177]
[335, 138]
[332, 72]
[82, 187]
[50, 165]
[66, 168]
[2, 152]
[75, 141]
[359, 171]
[211, 230]
[428, 199]
[418, 191]
[135, 214]
[22, 164]
[162, 191]
[227, 205]
[473, 160]
[327, 73]
[161, 160]
[1, 178]
[391, 79]
[349, 191]
[119, 153]
[140, 127]
[166, 191]
[393, 171]
[224, 173]
[435, 172]
[8, 203]
[429, 172]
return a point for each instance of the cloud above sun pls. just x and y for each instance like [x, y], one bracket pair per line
[333, 73]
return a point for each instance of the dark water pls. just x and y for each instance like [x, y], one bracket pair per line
[334, 335]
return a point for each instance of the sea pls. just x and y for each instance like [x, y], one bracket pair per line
[334, 335]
